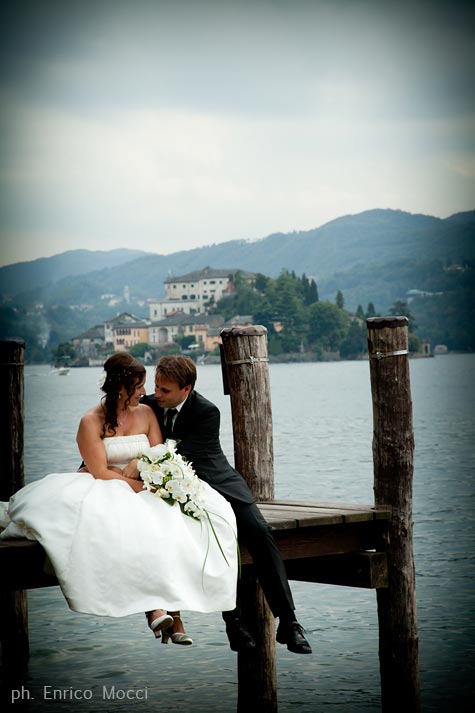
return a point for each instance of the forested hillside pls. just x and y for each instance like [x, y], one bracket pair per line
[378, 257]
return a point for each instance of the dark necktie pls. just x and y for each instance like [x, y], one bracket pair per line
[169, 416]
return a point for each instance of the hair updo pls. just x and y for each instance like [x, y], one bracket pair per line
[121, 370]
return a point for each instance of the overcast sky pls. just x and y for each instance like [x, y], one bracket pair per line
[171, 125]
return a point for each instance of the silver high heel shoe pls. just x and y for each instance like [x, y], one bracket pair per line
[160, 624]
[177, 638]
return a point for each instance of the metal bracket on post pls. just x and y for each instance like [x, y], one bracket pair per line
[224, 364]
[382, 355]
[249, 360]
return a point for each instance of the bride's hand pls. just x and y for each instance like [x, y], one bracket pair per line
[136, 485]
[115, 469]
[130, 470]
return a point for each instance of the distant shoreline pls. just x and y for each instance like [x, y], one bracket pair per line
[288, 358]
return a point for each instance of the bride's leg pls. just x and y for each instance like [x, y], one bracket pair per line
[177, 631]
[158, 620]
[177, 627]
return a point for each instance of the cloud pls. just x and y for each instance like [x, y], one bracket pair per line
[173, 125]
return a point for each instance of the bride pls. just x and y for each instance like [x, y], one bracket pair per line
[116, 548]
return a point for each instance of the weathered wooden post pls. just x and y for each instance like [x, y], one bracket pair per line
[246, 367]
[393, 450]
[13, 604]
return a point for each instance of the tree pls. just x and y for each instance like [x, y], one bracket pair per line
[261, 282]
[62, 353]
[355, 344]
[370, 310]
[275, 345]
[414, 343]
[287, 299]
[339, 301]
[401, 308]
[138, 350]
[245, 300]
[327, 325]
[290, 343]
[65, 349]
[312, 292]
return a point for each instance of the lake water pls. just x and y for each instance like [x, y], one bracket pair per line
[322, 443]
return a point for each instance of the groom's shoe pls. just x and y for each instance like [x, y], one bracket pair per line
[239, 638]
[291, 633]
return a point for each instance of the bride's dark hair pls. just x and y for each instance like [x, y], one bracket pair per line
[121, 370]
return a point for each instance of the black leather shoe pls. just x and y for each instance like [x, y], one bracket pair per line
[239, 638]
[291, 633]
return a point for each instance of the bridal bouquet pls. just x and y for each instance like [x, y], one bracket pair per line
[169, 476]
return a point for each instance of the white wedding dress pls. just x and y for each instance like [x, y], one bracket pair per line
[116, 552]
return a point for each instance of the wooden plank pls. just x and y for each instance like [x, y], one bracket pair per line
[377, 513]
[331, 506]
[358, 516]
[308, 517]
[303, 513]
[324, 540]
[24, 565]
[382, 513]
[300, 519]
[277, 523]
[362, 569]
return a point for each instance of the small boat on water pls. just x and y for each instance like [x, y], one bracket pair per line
[60, 366]
[60, 371]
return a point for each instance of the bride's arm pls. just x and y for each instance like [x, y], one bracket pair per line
[93, 452]
[154, 434]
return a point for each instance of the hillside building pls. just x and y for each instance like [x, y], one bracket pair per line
[204, 329]
[182, 314]
[192, 293]
[90, 344]
[124, 331]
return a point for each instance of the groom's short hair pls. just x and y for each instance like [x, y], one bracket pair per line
[178, 368]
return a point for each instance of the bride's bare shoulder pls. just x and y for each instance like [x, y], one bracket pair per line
[147, 413]
[92, 418]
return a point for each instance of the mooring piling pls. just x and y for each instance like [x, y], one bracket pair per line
[393, 457]
[13, 604]
[245, 361]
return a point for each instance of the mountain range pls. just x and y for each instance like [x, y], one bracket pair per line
[375, 256]
[333, 254]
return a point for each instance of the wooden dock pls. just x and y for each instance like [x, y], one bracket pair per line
[330, 543]
[334, 543]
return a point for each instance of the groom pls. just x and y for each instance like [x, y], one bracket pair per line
[192, 420]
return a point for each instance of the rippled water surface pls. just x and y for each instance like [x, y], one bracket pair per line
[322, 444]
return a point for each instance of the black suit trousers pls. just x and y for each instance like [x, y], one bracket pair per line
[254, 532]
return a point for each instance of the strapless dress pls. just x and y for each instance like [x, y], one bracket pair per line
[116, 552]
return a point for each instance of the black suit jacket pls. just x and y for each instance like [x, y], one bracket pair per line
[197, 430]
